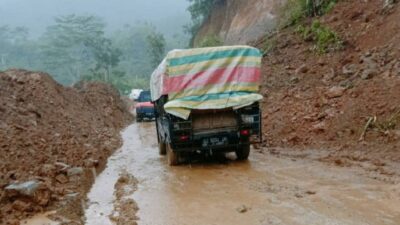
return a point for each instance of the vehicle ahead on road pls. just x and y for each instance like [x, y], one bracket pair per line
[135, 93]
[206, 100]
[144, 107]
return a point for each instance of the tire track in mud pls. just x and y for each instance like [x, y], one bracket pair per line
[125, 207]
[267, 189]
[111, 200]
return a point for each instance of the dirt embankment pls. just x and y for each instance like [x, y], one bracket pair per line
[53, 139]
[324, 101]
[238, 22]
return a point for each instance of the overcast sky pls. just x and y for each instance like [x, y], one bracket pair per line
[37, 14]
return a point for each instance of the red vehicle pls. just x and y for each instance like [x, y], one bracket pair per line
[144, 107]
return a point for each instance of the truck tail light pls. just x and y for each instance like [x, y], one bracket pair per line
[244, 132]
[184, 138]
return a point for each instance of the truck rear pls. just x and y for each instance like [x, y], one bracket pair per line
[215, 110]
[144, 107]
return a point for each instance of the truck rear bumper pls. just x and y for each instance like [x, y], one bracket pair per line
[145, 112]
[149, 115]
[225, 148]
[220, 142]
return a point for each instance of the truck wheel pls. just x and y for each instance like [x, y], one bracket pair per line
[138, 119]
[162, 148]
[243, 152]
[172, 157]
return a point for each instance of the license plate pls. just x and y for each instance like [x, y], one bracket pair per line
[214, 141]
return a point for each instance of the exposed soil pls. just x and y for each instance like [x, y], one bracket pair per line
[55, 136]
[238, 22]
[324, 101]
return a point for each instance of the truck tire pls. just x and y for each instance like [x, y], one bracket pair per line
[162, 148]
[172, 157]
[138, 119]
[243, 152]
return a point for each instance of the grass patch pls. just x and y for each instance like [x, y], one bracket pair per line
[384, 126]
[269, 45]
[324, 38]
[389, 124]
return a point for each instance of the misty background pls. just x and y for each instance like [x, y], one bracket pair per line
[119, 41]
[169, 16]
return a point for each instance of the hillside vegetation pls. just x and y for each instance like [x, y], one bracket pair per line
[331, 77]
[331, 83]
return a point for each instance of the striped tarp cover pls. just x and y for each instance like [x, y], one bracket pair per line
[208, 78]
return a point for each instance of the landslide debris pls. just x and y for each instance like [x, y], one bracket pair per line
[324, 100]
[53, 139]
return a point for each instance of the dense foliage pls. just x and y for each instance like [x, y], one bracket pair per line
[296, 10]
[78, 48]
[199, 11]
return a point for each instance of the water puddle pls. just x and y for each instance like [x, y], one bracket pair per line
[41, 219]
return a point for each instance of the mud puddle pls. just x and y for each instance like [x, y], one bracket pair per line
[41, 219]
[265, 190]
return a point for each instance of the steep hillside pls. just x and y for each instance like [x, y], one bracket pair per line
[346, 100]
[239, 22]
[330, 82]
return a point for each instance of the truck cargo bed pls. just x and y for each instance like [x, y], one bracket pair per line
[213, 119]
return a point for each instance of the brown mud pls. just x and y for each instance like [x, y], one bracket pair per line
[323, 161]
[52, 137]
[271, 188]
[125, 208]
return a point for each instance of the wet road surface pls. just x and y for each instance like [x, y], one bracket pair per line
[267, 189]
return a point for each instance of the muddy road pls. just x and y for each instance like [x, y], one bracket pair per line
[138, 187]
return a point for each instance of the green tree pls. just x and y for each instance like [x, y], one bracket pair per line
[16, 50]
[70, 45]
[156, 47]
[199, 10]
[5, 45]
[143, 47]
[76, 47]
[106, 57]
[135, 61]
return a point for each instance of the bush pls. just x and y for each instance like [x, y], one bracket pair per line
[296, 10]
[323, 37]
[199, 10]
[292, 12]
[210, 41]
[319, 7]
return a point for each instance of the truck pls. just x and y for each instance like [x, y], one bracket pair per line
[206, 100]
[144, 107]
